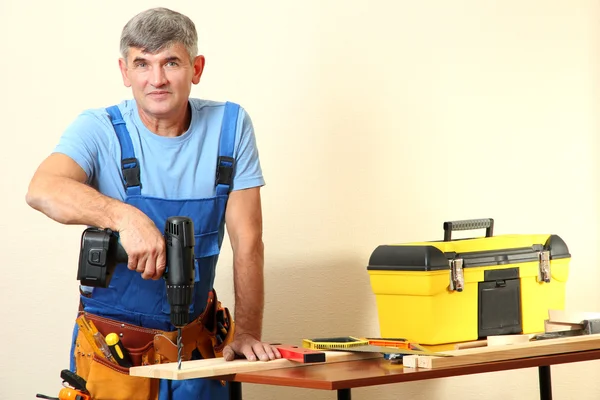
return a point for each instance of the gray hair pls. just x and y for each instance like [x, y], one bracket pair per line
[159, 28]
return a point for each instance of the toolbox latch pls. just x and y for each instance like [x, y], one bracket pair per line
[544, 268]
[457, 278]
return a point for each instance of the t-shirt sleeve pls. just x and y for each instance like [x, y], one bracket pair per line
[82, 141]
[248, 172]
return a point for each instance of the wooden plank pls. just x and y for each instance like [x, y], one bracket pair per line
[515, 351]
[218, 366]
[570, 317]
[504, 340]
[470, 345]
[496, 340]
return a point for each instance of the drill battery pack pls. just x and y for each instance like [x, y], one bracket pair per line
[99, 254]
[453, 291]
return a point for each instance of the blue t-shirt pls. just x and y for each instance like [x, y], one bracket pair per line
[181, 167]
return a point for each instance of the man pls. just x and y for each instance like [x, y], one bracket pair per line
[130, 167]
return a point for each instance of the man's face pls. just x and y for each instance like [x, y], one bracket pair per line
[161, 82]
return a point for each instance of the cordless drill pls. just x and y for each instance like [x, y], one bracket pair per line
[101, 251]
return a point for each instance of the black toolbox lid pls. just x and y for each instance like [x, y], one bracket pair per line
[430, 258]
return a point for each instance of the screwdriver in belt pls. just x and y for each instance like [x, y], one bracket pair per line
[117, 350]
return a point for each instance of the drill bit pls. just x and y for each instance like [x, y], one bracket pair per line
[179, 346]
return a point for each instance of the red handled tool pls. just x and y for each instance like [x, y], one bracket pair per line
[295, 353]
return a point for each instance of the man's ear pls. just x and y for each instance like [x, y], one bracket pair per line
[123, 68]
[199, 63]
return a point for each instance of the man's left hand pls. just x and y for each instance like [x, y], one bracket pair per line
[253, 349]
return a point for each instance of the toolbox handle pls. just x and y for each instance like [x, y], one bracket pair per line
[468, 224]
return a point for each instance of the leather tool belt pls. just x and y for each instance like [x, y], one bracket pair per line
[209, 334]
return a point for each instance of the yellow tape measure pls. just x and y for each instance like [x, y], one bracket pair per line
[344, 342]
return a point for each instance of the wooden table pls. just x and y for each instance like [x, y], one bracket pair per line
[343, 376]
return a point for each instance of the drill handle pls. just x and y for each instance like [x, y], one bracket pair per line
[120, 255]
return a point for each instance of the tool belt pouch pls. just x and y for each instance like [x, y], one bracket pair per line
[219, 328]
[209, 334]
[108, 381]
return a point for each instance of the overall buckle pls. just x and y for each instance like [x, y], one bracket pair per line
[224, 170]
[131, 172]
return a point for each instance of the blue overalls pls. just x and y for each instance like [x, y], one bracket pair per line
[143, 302]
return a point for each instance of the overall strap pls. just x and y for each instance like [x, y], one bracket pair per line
[130, 166]
[225, 162]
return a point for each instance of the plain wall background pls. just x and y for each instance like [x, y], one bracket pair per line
[376, 122]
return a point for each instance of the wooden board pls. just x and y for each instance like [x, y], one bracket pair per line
[504, 340]
[509, 352]
[570, 317]
[470, 345]
[496, 340]
[218, 366]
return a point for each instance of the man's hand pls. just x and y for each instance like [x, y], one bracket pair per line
[248, 346]
[144, 244]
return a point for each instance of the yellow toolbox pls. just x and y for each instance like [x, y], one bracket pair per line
[454, 291]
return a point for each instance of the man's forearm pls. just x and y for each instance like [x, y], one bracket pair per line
[249, 291]
[68, 201]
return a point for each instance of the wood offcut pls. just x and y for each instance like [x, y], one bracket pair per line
[508, 352]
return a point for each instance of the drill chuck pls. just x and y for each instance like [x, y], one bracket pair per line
[180, 314]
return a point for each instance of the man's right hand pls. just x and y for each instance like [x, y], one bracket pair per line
[144, 244]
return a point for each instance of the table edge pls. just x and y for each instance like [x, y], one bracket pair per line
[258, 377]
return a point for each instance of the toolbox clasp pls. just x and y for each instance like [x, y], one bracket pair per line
[544, 267]
[457, 277]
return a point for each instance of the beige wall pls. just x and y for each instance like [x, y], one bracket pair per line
[376, 121]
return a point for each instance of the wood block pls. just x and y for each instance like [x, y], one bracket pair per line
[499, 353]
[560, 326]
[411, 361]
[218, 366]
